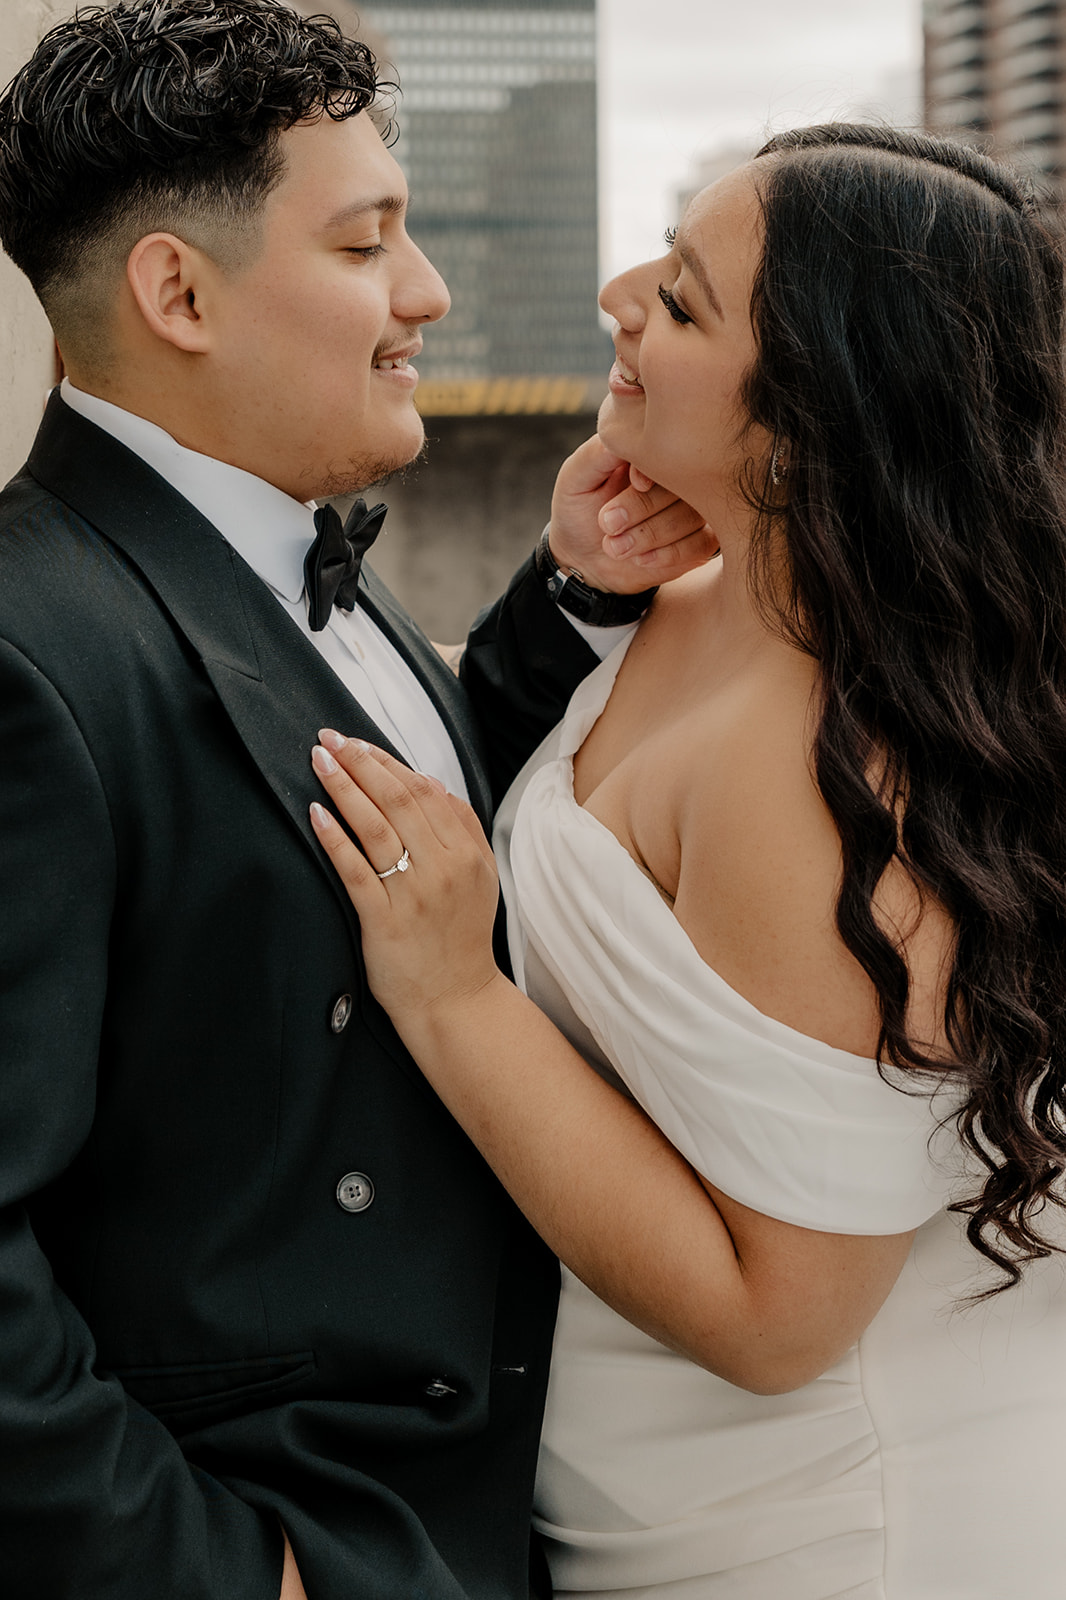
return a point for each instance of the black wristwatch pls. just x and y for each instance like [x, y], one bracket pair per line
[585, 604]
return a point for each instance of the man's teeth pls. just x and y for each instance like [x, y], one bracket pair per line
[627, 372]
[392, 361]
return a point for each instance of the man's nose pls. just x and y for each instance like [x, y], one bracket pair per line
[424, 294]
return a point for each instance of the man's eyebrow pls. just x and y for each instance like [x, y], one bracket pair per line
[387, 205]
[692, 261]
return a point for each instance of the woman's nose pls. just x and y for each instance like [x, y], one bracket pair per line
[625, 299]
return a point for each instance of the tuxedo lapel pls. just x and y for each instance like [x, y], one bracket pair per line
[274, 685]
[438, 681]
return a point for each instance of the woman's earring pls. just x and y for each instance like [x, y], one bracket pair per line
[779, 464]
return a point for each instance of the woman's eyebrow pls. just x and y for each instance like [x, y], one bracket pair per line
[692, 261]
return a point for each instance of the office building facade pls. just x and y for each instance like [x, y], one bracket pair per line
[497, 137]
[993, 74]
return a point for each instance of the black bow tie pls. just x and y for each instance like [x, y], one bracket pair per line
[331, 566]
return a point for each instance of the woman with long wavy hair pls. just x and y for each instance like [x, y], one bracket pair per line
[790, 881]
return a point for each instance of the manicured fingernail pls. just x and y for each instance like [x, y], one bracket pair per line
[640, 480]
[323, 762]
[332, 739]
[621, 544]
[320, 817]
[615, 520]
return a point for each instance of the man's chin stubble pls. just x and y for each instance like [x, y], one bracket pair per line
[366, 473]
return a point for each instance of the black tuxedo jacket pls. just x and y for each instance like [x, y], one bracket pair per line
[196, 1337]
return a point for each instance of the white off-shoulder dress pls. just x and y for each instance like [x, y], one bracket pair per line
[930, 1462]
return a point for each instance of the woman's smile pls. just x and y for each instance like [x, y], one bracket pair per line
[623, 380]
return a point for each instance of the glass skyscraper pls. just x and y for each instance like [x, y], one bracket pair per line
[497, 137]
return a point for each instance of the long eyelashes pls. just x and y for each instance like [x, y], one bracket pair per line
[672, 306]
[664, 294]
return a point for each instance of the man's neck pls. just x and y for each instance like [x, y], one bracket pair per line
[269, 528]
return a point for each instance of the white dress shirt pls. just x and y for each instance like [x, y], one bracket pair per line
[272, 532]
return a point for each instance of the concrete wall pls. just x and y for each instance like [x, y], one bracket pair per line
[462, 521]
[27, 363]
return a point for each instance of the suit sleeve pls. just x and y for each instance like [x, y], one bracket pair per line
[522, 663]
[96, 1498]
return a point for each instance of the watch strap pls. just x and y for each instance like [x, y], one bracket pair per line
[573, 595]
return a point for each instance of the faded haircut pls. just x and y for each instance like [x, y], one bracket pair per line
[158, 115]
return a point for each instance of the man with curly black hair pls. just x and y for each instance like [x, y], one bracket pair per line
[269, 1323]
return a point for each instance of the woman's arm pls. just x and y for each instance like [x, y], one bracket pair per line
[764, 1304]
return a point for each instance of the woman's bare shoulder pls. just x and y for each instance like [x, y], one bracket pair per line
[702, 766]
[760, 871]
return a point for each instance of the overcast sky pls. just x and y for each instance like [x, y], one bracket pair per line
[684, 78]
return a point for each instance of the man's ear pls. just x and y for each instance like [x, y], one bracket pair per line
[165, 276]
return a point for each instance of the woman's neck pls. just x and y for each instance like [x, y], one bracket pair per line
[734, 617]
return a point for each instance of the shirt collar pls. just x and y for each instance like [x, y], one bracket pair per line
[266, 526]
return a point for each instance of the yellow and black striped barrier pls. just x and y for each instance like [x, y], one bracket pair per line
[509, 397]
